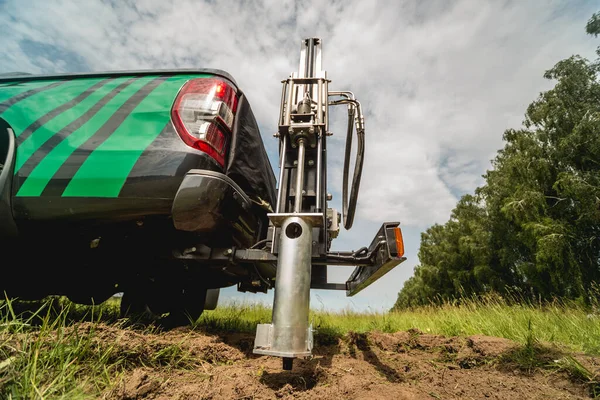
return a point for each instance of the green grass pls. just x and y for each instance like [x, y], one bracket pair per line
[43, 358]
[577, 328]
[53, 350]
[47, 353]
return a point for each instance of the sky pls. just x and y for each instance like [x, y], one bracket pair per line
[439, 82]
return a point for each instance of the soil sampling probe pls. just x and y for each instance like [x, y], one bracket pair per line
[302, 226]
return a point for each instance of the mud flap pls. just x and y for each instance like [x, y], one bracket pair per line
[212, 299]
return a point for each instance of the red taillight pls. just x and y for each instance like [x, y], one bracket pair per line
[203, 115]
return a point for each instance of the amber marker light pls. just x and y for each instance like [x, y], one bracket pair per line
[399, 241]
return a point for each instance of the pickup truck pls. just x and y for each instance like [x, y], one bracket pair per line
[109, 179]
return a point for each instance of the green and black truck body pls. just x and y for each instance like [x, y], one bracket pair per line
[109, 178]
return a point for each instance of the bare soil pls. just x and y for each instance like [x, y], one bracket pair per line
[402, 365]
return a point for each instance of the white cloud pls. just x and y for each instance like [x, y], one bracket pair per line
[439, 81]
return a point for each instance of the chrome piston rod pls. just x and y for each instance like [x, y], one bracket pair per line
[299, 177]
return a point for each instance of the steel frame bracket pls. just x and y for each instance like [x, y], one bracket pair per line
[385, 255]
[370, 264]
[315, 219]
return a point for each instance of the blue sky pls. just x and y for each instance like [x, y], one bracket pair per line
[439, 82]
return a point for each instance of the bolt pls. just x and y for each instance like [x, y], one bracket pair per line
[303, 192]
[228, 252]
[329, 196]
[311, 162]
[276, 134]
[139, 223]
[295, 163]
[311, 130]
[291, 130]
[329, 133]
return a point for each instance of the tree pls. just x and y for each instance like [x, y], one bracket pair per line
[454, 257]
[543, 189]
[535, 223]
[593, 25]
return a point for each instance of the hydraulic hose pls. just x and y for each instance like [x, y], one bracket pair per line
[349, 206]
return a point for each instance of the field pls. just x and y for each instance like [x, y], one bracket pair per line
[479, 349]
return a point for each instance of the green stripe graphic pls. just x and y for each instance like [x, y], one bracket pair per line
[49, 129]
[32, 108]
[106, 169]
[8, 91]
[45, 170]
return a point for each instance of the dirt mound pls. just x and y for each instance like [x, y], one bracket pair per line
[402, 365]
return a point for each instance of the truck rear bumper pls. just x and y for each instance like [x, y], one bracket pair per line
[209, 201]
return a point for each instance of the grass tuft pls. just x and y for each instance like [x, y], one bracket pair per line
[45, 358]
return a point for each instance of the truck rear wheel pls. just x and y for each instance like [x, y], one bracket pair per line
[185, 307]
[170, 307]
[132, 305]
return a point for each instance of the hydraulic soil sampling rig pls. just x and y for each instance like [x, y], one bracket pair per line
[302, 226]
[156, 184]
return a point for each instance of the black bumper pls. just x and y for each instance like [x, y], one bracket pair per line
[209, 201]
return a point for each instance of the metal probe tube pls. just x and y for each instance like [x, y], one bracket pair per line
[292, 290]
[299, 177]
